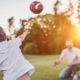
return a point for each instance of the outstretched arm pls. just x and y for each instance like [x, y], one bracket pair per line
[23, 35]
[57, 61]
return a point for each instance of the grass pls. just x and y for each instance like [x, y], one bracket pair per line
[44, 67]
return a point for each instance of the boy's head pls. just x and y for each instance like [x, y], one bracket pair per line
[69, 44]
[3, 36]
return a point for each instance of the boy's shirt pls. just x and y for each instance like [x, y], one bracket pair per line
[10, 53]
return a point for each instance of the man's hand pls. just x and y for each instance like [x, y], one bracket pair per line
[56, 63]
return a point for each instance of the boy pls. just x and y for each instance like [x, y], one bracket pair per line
[12, 63]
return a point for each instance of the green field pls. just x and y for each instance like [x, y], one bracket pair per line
[44, 67]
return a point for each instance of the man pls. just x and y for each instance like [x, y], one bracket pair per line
[72, 55]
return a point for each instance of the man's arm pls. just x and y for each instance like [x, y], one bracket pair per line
[58, 61]
[75, 62]
[77, 59]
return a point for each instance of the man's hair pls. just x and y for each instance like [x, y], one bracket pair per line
[3, 36]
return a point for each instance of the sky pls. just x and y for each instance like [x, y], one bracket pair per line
[19, 9]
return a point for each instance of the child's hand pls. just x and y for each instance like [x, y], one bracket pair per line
[22, 36]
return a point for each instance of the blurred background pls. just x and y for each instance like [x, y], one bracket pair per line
[50, 23]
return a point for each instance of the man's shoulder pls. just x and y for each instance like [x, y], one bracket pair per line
[64, 50]
[75, 48]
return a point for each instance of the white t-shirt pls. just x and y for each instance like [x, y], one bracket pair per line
[70, 55]
[12, 62]
[10, 53]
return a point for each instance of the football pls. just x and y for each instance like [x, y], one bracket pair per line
[36, 7]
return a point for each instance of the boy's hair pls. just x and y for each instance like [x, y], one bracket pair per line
[3, 36]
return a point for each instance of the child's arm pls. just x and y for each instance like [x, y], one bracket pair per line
[22, 36]
[18, 41]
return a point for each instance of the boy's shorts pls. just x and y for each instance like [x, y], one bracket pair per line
[18, 69]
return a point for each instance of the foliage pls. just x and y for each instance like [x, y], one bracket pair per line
[49, 32]
[48, 35]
